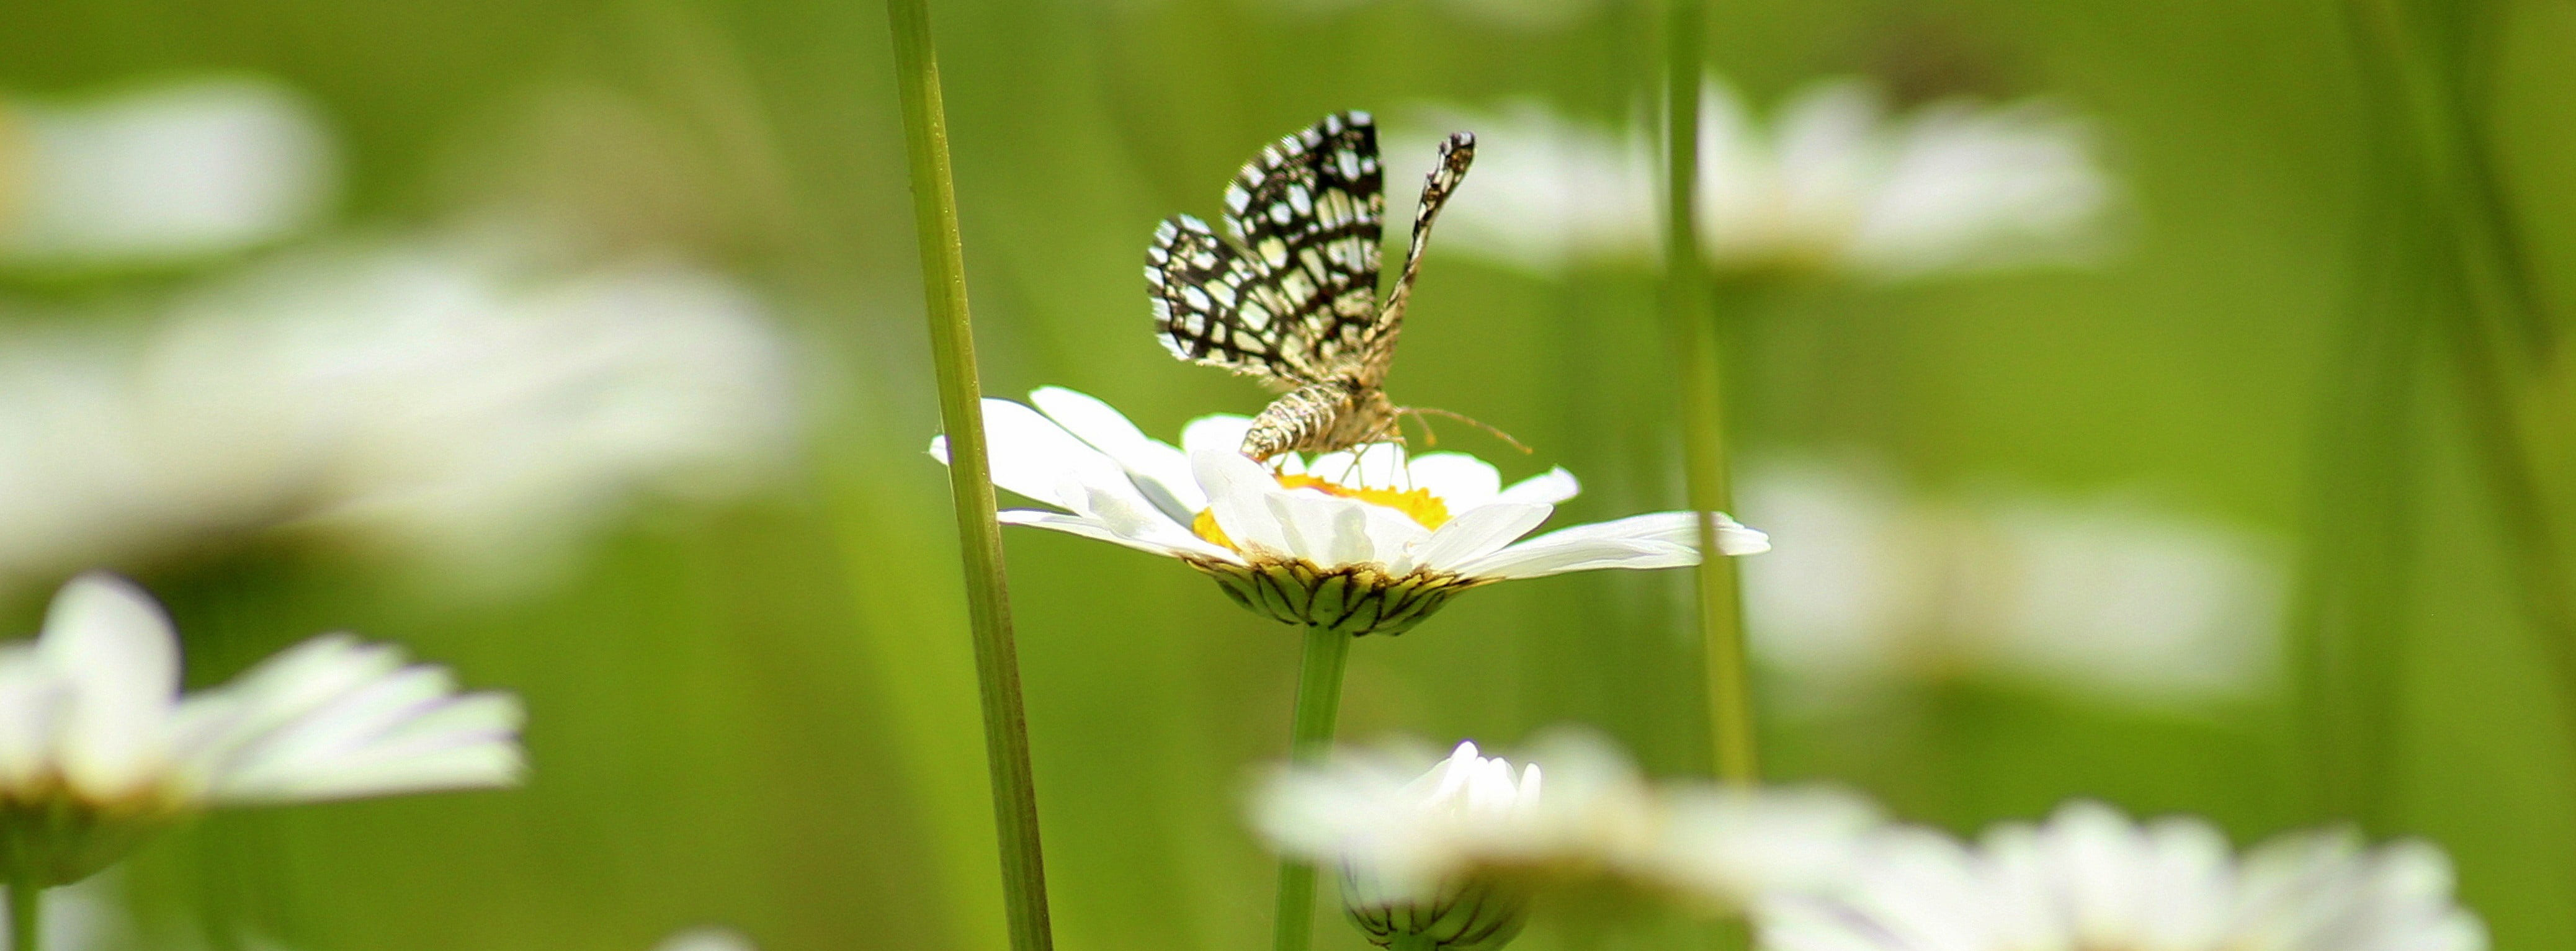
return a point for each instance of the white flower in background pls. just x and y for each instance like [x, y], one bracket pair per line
[1831, 183]
[159, 173]
[706, 938]
[1871, 585]
[98, 750]
[1458, 853]
[2089, 879]
[1526, 15]
[434, 400]
[1367, 541]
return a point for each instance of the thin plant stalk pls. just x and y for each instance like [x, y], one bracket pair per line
[988, 607]
[1310, 736]
[25, 901]
[1688, 319]
[2490, 318]
[2483, 307]
[2357, 570]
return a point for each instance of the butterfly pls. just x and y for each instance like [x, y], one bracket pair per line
[1292, 299]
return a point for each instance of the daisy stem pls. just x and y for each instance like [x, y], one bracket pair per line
[1703, 416]
[24, 899]
[988, 607]
[1310, 736]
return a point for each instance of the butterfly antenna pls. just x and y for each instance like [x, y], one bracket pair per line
[1422, 414]
[1430, 436]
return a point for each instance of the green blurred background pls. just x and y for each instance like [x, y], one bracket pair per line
[761, 712]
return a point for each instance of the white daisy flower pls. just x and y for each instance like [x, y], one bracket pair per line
[1370, 541]
[706, 938]
[1459, 853]
[1833, 183]
[447, 401]
[2090, 879]
[98, 750]
[1876, 586]
[159, 173]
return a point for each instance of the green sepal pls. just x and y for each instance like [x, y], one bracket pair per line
[1358, 600]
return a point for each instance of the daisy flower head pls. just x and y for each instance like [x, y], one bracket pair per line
[1368, 541]
[1465, 849]
[98, 750]
[1830, 182]
[2092, 879]
[2105, 597]
[452, 400]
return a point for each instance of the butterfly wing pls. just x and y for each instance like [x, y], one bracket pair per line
[1458, 152]
[1298, 301]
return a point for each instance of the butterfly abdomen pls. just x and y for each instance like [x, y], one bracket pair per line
[1326, 416]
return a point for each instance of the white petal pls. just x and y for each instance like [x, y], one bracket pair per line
[1656, 540]
[30, 701]
[1733, 844]
[1238, 491]
[1320, 528]
[1479, 532]
[1034, 457]
[1806, 923]
[1155, 464]
[110, 643]
[1395, 536]
[1094, 528]
[1546, 488]
[212, 726]
[1679, 528]
[1460, 480]
[404, 731]
[1220, 432]
[489, 764]
[1333, 531]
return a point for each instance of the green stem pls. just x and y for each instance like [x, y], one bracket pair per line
[2357, 568]
[24, 901]
[1688, 320]
[1310, 736]
[2489, 316]
[1413, 941]
[988, 608]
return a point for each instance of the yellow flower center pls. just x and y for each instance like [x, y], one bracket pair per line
[1419, 505]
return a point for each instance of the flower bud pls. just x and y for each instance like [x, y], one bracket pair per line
[1476, 913]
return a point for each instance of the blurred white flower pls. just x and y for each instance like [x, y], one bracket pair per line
[2090, 878]
[159, 173]
[1459, 851]
[420, 396]
[1870, 585]
[98, 750]
[1832, 183]
[1527, 15]
[706, 938]
[1368, 541]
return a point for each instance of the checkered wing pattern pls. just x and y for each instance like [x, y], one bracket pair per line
[1293, 298]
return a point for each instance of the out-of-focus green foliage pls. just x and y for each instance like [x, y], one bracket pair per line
[762, 713]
